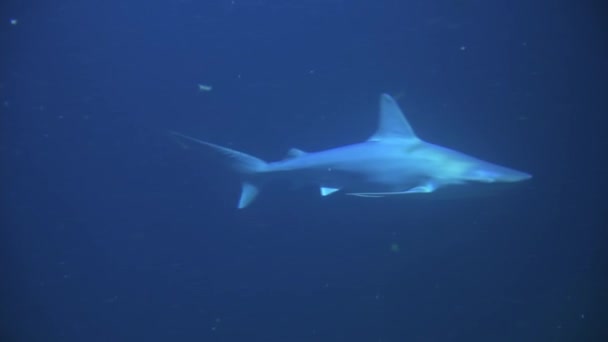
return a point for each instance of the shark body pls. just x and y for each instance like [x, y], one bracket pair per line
[393, 161]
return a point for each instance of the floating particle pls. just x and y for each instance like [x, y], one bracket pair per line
[204, 87]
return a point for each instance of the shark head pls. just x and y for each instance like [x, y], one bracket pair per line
[432, 165]
[485, 172]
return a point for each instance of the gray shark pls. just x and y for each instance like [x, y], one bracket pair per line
[394, 161]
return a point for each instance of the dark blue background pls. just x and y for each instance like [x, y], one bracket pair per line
[110, 231]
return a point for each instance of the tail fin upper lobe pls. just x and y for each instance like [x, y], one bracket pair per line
[245, 165]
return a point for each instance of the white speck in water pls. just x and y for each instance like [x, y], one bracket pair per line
[204, 87]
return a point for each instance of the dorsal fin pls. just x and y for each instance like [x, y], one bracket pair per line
[392, 123]
[294, 153]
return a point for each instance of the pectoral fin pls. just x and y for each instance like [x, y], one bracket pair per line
[420, 189]
[366, 194]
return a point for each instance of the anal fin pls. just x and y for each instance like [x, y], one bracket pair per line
[326, 191]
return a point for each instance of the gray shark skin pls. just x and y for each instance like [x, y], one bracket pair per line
[393, 161]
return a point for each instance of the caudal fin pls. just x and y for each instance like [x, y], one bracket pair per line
[245, 165]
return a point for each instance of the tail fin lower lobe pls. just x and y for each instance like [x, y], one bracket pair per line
[245, 165]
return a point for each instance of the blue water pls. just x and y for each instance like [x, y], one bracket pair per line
[111, 231]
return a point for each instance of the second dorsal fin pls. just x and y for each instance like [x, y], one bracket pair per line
[294, 153]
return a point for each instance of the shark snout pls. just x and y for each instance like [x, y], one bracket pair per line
[521, 176]
[499, 174]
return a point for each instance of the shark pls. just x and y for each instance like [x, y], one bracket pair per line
[394, 161]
